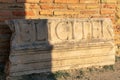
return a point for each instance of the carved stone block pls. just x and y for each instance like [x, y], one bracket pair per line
[58, 44]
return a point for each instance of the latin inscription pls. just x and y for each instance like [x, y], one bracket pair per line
[29, 32]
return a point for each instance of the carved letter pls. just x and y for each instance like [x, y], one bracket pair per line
[41, 30]
[64, 30]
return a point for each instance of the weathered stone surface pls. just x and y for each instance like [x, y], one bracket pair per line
[58, 44]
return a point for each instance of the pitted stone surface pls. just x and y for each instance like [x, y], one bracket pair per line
[58, 44]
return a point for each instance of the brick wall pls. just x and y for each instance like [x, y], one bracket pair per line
[117, 27]
[29, 9]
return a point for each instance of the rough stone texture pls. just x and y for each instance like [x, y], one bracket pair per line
[34, 9]
[48, 45]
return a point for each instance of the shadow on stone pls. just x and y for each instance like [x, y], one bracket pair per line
[30, 50]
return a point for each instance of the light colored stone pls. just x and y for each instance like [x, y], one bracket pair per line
[59, 44]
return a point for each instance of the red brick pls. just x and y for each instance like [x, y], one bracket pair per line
[5, 13]
[46, 1]
[77, 6]
[23, 13]
[31, 6]
[3, 19]
[60, 1]
[48, 6]
[107, 11]
[117, 29]
[28, 1]
[108, 1]
[89, 12]
[72, 1]
[66, 1]
[109, 6]
[89, 1]
[7, 1]
[46, 12]
[93, 6]
[66, 12]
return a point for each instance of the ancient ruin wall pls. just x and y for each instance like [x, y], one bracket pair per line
[29, 9]
[42, 45]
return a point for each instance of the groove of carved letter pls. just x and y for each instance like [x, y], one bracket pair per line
[58, 44]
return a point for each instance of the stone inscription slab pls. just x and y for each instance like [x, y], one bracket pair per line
[30, 34]
[58, 44]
